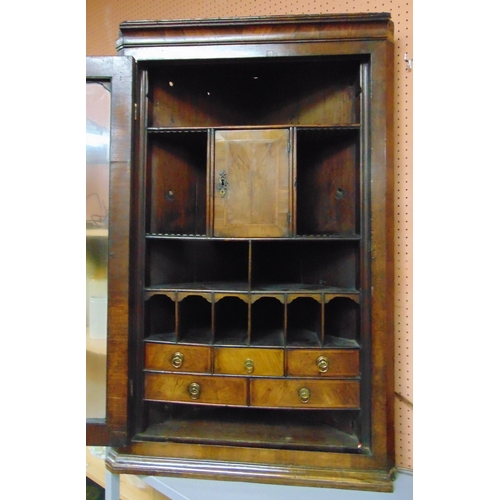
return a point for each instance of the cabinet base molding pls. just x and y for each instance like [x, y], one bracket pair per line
[131, 461]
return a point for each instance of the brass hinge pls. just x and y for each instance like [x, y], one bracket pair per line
[135, 111]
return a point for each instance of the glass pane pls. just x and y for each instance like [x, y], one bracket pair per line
[98, 132]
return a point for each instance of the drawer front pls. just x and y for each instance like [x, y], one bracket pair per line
[198, 389]
[249, 361]
[300, 393]
[323, 363]
[177, 358]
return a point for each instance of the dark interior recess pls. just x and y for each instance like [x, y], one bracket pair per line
[231, 321]
[267, 322]
[328, 178]
[342, 323]
[160, 317]
[195, 320]
[304, 264]
[304, 326]
[292, 91]
[177, 182]
[321, 430]
[204, 264]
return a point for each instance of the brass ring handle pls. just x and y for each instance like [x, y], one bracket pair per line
[323, 364]
[194, 390]
[177, 359]
[249, 366]
[304, 394]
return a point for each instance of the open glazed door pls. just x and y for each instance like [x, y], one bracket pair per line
[109, 121]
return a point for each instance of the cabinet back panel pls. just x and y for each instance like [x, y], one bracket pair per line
[231, 322]
[328, 178]
[174, 262]
[160, 316]
[304, 326]
[177, 182]
[342, 319]
[267, 322]
[195, 320]
[283, 429]
[254, 92]
[320, 263]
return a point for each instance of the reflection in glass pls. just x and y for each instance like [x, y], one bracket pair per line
[98, 124]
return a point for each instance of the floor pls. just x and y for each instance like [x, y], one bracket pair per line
[94, 491]
[197, 489]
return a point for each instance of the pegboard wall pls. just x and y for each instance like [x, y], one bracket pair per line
[103, 18]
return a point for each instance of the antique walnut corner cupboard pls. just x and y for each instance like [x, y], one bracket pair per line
[249, 250]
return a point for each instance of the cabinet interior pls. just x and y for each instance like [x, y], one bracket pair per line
[209, 283]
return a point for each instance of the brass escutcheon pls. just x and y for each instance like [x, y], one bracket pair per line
[249, 366]
[323, 364]
[304, 394]
[177, 359]
[194, 390]
[223, 184]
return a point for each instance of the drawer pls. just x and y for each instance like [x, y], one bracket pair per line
[198, 389]
[175, 357]
[304, 393]
[249, 361]
[323, 363]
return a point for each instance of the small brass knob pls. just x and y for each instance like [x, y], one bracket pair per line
[249, 366]
[304, 394]
[177, 359]
[323, 364]
[194, 390]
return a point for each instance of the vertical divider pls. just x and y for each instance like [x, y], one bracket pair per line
[249, 320]
[212, 317]
[177, 317]
[249, 279]
[249, 290]
[293, 180]
[212, 327]
[285, 323]
[364, 251]
[139, 248]
[322, 321]
[210, 181]
[285, 319]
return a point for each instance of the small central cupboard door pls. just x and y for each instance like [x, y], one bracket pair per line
[252, 195]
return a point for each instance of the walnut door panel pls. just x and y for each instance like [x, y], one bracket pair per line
[248, 361]
[198, 389]
[323, 363]
[179, 358]
[297, 393]
[252, 183]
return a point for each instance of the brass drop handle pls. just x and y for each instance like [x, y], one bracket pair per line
[249, 366]
[194, 390]
[322, 363]
[304, 394]
[177, 359]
